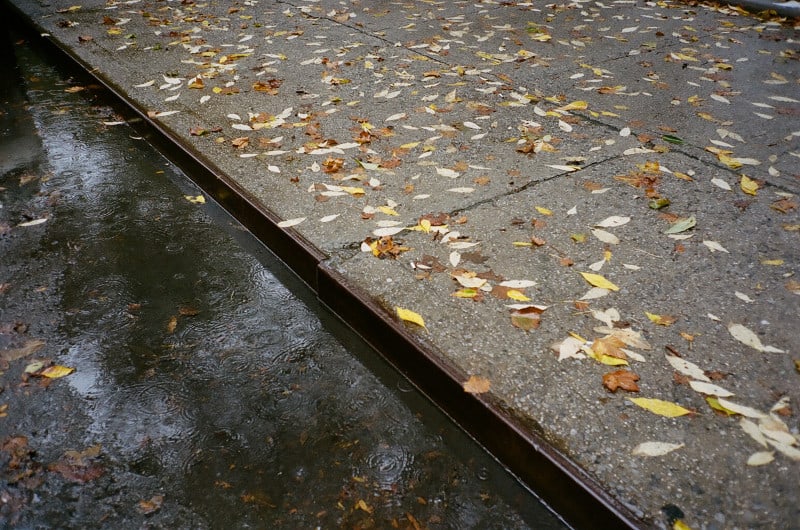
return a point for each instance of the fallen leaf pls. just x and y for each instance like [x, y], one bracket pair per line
[709, 389]
[624, 379]
[30, 347]
[56, 371]
[748, 185]
[661, 407]
[527, 317]
[713, 246]
[740, 409]
[661, 320]
[151, 505]
[599, 281]
[748, 338]
[613, 221]
[687, 368]
[714, 403]
[291, 222]
[761, 458]
[602, 235]
[410, 316]
[681, 225]
[195, 199]
[476, 385]
[655, 448]
[570, 348]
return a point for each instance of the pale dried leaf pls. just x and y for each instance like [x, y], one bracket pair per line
[655, 448]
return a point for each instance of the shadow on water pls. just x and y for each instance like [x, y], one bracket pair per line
[219, 391]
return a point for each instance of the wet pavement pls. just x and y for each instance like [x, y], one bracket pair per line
[161, 369]
[565, 207]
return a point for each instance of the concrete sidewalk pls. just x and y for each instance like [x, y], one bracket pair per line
[558, 191]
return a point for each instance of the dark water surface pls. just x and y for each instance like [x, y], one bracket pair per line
[210, 391]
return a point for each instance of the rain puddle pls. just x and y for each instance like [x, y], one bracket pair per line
[210, 390]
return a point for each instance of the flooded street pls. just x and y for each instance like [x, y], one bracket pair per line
[209, 389]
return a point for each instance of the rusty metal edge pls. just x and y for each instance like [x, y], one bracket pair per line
[558, 481]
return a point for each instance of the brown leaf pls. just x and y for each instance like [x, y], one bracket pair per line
[332, 165]
[477, 385]
[609, 345]
[270, 87]
[30, 347]
[152, 505]
[624, 379]
[172, 324]
[241, 142]
[784, 205]
[527, 319]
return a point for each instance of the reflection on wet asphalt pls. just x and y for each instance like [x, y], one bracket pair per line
[219, 396]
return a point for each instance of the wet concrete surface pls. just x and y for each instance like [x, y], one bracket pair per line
[205, 387]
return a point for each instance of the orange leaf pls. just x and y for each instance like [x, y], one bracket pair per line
[477, 385]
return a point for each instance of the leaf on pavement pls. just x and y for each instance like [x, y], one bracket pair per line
[599, 281]
[709, 389]
[661, 320]
[747, 337]
[761, 458]
[681, 225]
[477, 385]
[661, 407]
[410, 316]
[748, 185]
[687, 368]
[624, 379]
[613, 221]
[655, 448]
[527, 317]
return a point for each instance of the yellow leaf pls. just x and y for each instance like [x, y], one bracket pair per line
[522, 244]
[660, 407]
[680, 525]
[477, 385]
[466, 293]
[517, 295]
[714, 403]
[425, 224]
[729, 161]
[662, 320]
[54, 372]
[774, 262]
[387, 210]
[353, 190]
[363, 506]
[410, 316]
[195, 199]
[599, 281]
[575, 105]
[544, 211]
[748, 185]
